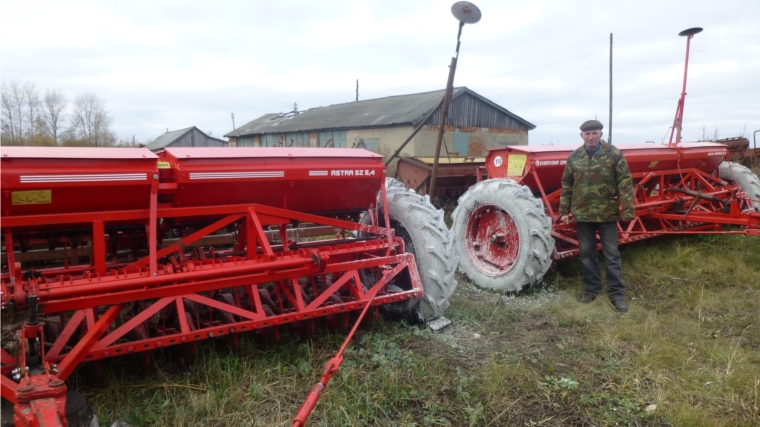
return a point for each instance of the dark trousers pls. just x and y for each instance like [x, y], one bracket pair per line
[592, 274]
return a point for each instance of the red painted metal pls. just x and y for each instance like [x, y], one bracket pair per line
[124, 203]
[39, 399]
[41, 402]
[333, 364]
[677, 122]
[676, 188]
[77, 179]
[298, 182]
[491, 240]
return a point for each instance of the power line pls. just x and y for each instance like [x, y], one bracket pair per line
[500, 73]
[696, 62]
[701, 37]
[714, 48]
[542, 54]
[562, 74]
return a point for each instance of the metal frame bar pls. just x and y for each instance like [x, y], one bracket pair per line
[160, 288]
[654, 212]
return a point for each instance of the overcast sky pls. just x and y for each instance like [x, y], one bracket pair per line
[174, 64]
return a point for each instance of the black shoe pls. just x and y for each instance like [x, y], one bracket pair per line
[587, 298]
[620, 305]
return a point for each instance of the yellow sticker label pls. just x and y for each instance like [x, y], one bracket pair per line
[516, 164]
[653, 164]
[35, 197]
[164, 165]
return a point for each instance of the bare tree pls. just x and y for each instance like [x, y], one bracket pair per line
[53, 113]
[13, 102]
[8, 126]
[90, 122]
[32, 107]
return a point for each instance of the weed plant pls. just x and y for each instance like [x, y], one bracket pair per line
[687, 354]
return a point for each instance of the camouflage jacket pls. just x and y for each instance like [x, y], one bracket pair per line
[599, 189]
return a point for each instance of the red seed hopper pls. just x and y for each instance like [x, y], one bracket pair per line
[111, 252]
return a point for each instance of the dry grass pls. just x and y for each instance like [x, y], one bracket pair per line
[690, 345]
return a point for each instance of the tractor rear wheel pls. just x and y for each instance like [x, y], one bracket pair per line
[425, 234]
[744, 178]
[502, 236]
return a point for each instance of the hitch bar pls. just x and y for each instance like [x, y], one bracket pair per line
[699, 195]
[331, 367]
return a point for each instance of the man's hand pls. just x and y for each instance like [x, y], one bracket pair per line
[565, 219]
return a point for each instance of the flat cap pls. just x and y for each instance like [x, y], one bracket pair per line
[591, 125]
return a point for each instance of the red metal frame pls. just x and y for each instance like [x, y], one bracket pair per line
[168, 291]
[687, 198]
[111, 308]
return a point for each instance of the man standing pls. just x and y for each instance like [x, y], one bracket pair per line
[597, 189]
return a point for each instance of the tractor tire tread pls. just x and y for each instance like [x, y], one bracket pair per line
[433, 246]
[533, 225]
[743, 176]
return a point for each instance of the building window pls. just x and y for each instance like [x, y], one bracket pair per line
[368, 144]
[297, 140]
[270, 140]
[246, 142]
[336, 139]
[461, 143]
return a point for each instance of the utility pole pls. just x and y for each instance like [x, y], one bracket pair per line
[233, 121]
[609, 127]
[357, 90]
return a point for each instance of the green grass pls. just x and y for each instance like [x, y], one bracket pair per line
[690, 345]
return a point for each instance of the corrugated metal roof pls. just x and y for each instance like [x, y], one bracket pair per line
[167, 138]
[164, 140]
[392, 110]
[266, 152]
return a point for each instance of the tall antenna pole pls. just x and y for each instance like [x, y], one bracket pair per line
[466, 13]
[357, 89]
[233, 121]
[609, 128]
[678, 121]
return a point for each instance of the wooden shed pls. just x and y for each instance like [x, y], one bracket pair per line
[475, 124]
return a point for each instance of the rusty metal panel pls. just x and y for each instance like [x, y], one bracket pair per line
[455, 174]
